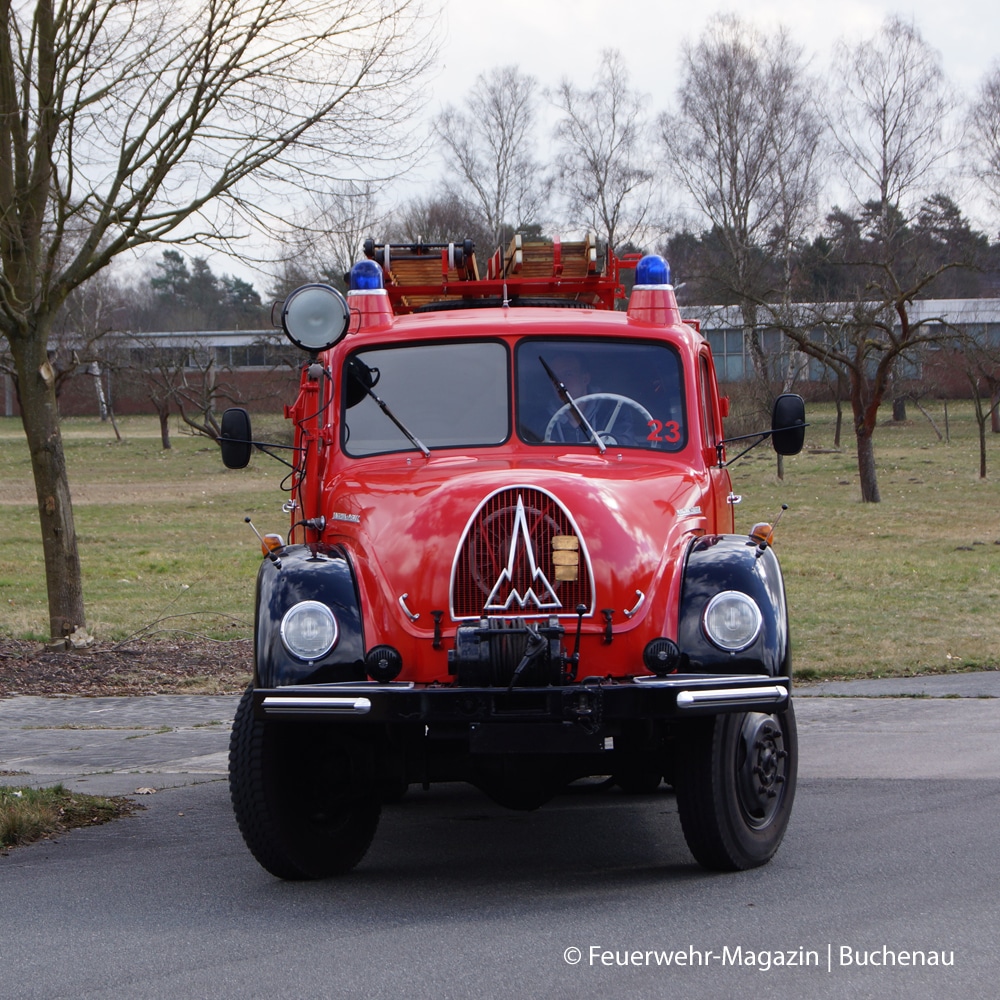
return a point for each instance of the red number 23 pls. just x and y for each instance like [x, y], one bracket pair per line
[659, 431]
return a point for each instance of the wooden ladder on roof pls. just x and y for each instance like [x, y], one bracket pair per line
[551, 258]
[429, 269]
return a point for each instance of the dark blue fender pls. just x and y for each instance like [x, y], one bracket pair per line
[734, 562]
[307, 574]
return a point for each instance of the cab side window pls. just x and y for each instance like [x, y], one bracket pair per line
[711, 431]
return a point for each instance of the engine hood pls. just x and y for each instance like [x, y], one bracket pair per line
[471, 539]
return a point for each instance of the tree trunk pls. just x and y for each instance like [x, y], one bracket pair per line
[866, 468]
[930, 419]
[864, 406]
[102, 404]
[40, 418]
[106, 412]
[981, 416]
[114, 423]
[842, 391]
[899, 410]
[164, 415]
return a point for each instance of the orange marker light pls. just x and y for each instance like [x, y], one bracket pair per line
[271, 543]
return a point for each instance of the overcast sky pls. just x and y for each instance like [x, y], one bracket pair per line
[552, 39]
[556, 39]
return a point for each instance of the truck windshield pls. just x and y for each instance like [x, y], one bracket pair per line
[447, 395]
[629, 392]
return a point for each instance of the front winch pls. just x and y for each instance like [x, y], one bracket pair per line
[509, 653]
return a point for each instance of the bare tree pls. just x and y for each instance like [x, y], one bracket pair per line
[440, 218]
[194, 376]
[198, 385]
[491, 145]
[983, 139]
[603, 157]
[889, 119]
[984, 134]
[979, 352]
[91, 311]
[328, 238]
[743, 144]
[125, 123]
[74, 346]
[983, 151]
[889, 123]
[288, 275]
[986, 399]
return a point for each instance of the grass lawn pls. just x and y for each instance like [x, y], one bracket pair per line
[908, 585]
[161, 533]
[904, 586]
[28, 814]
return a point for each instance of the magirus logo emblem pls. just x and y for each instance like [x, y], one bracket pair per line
[522, 565]
[520, 555]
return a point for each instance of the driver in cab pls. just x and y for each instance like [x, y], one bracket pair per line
[569, 369]
[608, 419]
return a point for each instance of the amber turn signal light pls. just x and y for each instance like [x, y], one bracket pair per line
[271, 543]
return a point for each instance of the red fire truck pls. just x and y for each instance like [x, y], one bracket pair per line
[511, 560]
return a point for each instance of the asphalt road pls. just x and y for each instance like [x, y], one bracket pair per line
[889, 860]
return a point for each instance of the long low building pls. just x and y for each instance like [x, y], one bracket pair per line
[255, 368]
[258, 369]
[948, 319]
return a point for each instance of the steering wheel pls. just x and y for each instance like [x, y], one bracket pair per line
[603, 428]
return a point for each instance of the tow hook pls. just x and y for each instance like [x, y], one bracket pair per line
[608, 633]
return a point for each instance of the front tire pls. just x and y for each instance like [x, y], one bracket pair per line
[300, 802]
[735, 787]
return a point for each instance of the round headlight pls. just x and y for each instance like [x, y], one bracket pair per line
[309, 630]
[315, 317]
[732, 620]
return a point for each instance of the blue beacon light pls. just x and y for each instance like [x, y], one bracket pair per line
[366, 276]
[652, 270]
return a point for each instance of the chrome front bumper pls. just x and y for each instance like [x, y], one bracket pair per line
[675, 697]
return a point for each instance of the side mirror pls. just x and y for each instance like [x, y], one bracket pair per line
[360, 381]
[788, 424]
[235, 439]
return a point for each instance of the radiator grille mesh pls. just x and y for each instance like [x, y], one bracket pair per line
[521, 557]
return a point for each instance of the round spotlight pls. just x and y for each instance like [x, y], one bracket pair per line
[661, 656]
[315, 317]
[383, 664]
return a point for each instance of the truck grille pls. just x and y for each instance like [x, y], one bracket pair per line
[521, 556]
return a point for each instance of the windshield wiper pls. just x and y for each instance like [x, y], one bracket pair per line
[565, 396]
[384, 407]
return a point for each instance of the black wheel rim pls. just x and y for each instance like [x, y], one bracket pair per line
[761, 769]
